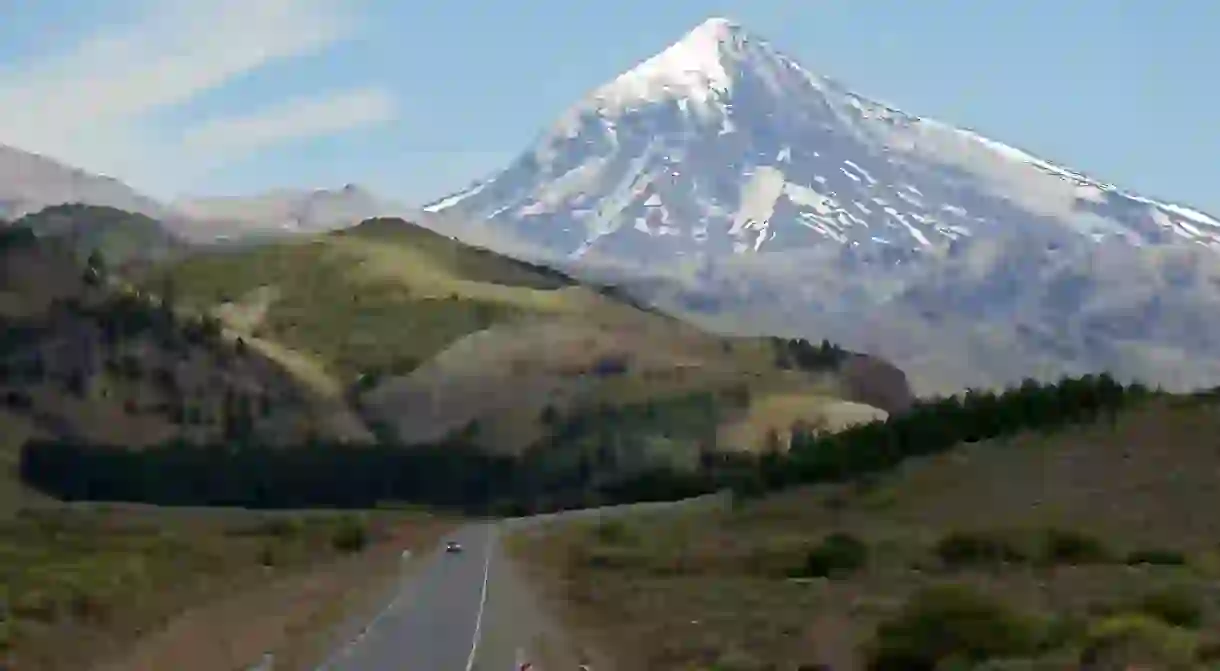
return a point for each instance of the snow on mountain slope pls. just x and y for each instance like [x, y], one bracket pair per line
[720, 143]
[721, 181]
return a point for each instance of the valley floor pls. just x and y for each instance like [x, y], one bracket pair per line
[1098, 541]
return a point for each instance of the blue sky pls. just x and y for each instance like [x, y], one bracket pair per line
[416, 99]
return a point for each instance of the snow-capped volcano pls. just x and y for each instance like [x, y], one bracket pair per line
[720, 143]
[804, 208]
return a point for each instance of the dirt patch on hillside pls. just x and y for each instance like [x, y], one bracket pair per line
[776, 414]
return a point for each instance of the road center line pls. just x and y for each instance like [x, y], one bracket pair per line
[478, 619]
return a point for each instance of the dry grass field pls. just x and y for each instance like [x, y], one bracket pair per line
[138, 588]
[1077, 535]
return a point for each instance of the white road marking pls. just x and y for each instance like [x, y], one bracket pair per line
[478, 619]
[347, 648]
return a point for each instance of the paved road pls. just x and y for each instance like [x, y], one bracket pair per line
[466, 611]
[434, 622]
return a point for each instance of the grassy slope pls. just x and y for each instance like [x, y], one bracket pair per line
[127, 384]
[104, 577]
[121, 237]
[363, 299]
[700, 586]
[459, 334]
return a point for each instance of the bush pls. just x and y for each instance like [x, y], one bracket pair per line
[1177, 606]
[8, 634]
[1156, 557]
[613, 532]
[272, 527]
[747, 488]
[1063, 631]
[350, 536]
[1129, 641]
[964, 548]
[1062, 546]
[1208, 652]
[735, 659]
[18, 400]
[267, 556]
[950, 624]
[838, 553]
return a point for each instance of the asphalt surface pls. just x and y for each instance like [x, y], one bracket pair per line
[434, 622]
[466, 611]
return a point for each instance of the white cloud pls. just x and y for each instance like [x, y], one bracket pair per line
[90, 105]
[295, 119]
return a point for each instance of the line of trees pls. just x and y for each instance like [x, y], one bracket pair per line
[318, 474]
[801, 354]
[937, 425]
[455, 473]
[452, 474]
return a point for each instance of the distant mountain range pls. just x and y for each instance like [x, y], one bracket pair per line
[723, 182]
[282, 211]
[30, 182]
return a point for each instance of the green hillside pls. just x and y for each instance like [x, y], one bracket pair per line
[429, 335]
[122, 238]
[82, 356]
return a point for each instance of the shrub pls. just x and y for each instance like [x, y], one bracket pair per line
[965, 548]
[86, 606]
[1156, 557]
[350, 536]
[18, 399]
[746, 488]
[737, 659]
[1208, 652]
[948, 624]
[8, 634]
[1177, 606]
[75, 383]
[275, 527]
[1062, 631]
[608, 558]
[1061, 546]
[613, 532]
[1128, 641]
[837, 554]
[267, 556]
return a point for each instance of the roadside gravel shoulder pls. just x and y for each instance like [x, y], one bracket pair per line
[526, 623]
[533, 611]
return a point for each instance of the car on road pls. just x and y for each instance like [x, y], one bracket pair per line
[453, 547]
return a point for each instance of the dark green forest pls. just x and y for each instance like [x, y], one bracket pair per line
[456, 474]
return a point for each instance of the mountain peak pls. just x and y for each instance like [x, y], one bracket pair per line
[696, 67]
[722, 143]
[718, 28]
